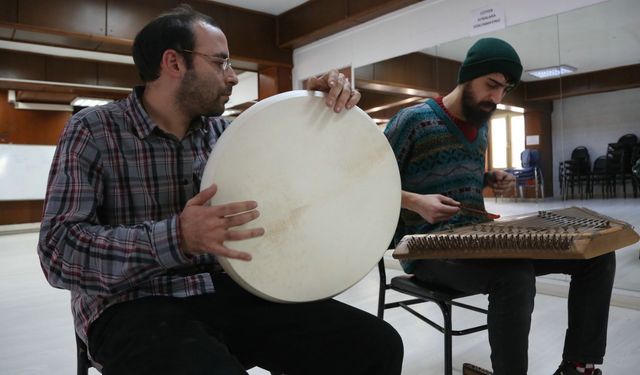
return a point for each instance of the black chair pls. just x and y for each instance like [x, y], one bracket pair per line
[620, 154]
[600, 175]
[423, 292]
[84, 364]
[635, 169]
[576, 173]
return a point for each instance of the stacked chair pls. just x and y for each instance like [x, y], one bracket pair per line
[635, 169]
[620, 160]
[576, 173]
[601, 175]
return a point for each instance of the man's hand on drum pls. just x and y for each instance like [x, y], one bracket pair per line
[340, 94]
[204, 229]
[432, 207]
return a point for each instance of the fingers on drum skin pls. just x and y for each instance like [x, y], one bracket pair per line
[231, 253]
[237, 235]
[234, 208]
[242, 218]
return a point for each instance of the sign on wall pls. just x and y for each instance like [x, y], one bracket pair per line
[484, 20]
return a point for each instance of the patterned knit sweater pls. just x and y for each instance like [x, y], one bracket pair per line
[434, 157]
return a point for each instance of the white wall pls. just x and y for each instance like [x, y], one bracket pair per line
[411, 29]
[592, 121]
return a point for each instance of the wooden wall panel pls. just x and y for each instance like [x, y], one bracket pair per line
[27, 127]
[8, 11]
[417, 70]
[309, 18]
[253, 34]
[74, 71]
[19, 65]
[118, 75]
[538, 122]
[316, 19]
[218, 12]
[30, 127]
[20, 212]
[364, 72]
[76, 16]
[361, 11]
[446, 75]
[111, 25]
[273, 80]
[125, 17]
[22, 65]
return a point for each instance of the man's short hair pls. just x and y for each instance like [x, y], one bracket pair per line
[170, 30]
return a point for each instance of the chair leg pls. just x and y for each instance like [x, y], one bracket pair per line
[448, 356]
[382, 288]
[535, 180]
[81, 357]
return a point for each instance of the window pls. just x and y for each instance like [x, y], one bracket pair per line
[506, 140]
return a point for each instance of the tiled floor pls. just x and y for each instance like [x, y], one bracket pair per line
[36, 335]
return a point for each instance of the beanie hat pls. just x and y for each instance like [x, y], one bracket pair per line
[490, 55]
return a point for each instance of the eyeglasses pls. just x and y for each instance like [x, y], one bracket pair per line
[225, 63]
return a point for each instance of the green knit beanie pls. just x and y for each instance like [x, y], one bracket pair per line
[491, 55]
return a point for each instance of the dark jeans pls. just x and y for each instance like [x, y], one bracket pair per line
[511, 287]
[219, 333]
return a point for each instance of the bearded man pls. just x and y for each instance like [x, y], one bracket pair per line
[127, 229]
[440, 147]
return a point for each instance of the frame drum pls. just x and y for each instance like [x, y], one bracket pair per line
[328, 191]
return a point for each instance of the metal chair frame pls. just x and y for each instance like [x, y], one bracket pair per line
[422, 292]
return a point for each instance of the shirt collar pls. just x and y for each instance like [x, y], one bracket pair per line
[141, 122]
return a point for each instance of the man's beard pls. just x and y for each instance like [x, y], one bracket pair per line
[196, 98]
[475, 113]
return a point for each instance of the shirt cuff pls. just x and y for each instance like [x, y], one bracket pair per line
[166, 244]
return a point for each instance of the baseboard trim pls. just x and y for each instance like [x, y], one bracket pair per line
[19, 228]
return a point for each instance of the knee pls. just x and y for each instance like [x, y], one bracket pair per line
[378, 339]
[515, 283]
[602, 267]
[606, 263]
[389, 347]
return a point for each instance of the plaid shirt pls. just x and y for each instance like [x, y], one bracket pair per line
[117, 184]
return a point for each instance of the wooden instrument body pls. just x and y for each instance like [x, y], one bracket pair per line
[570, 233]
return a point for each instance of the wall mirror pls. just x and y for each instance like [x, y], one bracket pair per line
[592, 105]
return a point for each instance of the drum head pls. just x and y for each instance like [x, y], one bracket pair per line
[328, 191]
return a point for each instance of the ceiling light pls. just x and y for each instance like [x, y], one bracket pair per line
[511, 108]
[552, 71]
[89, 102]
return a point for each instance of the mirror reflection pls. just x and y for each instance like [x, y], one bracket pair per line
[582, 122]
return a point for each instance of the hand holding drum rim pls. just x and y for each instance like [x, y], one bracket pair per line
[204, 229]
[340, 94]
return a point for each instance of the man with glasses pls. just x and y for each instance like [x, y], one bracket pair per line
[127, 231]
[440, 146]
